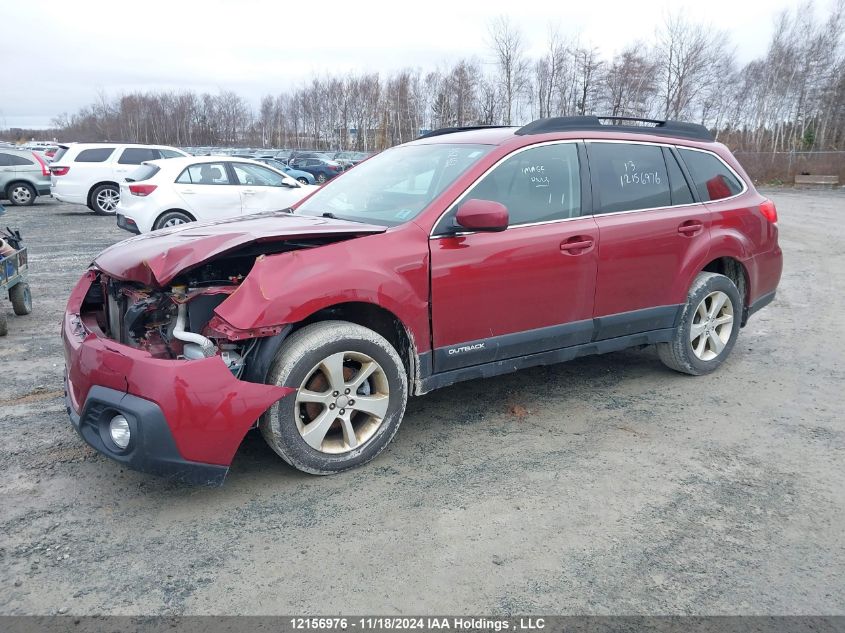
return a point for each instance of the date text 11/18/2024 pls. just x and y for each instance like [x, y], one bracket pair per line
[408, 623]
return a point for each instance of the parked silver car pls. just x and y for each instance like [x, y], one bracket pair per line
[23, 176]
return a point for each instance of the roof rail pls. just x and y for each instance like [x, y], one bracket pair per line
[680, 129]
[464, 128]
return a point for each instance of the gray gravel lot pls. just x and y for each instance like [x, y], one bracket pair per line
[608, 485]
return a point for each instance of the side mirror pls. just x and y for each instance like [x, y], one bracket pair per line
[482, 215]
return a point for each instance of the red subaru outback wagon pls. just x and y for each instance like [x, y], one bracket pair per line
[464, 254]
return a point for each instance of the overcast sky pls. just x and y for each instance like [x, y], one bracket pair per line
[57, 56]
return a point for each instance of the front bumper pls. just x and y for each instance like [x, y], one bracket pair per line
[190, 415]
[151, 449]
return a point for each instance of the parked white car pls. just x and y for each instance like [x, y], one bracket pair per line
[165, 193]
[91, 173]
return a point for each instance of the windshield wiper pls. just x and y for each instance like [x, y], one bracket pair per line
[329, 214]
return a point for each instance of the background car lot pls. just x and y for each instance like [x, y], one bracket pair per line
[604, 485]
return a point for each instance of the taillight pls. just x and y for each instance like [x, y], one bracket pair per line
[767, 208]
[59, 171]
[141, 190]
[45, 171]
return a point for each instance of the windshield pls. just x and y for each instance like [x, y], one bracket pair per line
[394, 186]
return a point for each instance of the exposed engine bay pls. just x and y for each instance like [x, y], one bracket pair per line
[171, 322]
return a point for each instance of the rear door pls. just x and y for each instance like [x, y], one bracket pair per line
[208, 192]
[524, 290]
[651, 229]
[262, 189]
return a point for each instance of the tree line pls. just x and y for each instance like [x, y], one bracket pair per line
[791, 98]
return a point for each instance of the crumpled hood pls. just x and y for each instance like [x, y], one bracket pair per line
[156, 258]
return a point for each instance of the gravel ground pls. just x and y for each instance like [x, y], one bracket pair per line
[607, 485]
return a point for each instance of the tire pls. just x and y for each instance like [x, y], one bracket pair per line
[707, 333]
[4, 325]
[299, 364]
[321, 178]
[21, 194]
[170, 219]
[303, 180]
[21, 298]
[104, 199]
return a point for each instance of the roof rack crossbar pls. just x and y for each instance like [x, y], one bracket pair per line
[463, 128]
[658, 127]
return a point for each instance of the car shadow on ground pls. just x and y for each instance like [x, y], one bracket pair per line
[511, 397]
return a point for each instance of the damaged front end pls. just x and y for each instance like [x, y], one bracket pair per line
[144, 361]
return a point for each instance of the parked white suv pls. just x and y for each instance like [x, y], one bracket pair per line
[91, 173]
[164, 193]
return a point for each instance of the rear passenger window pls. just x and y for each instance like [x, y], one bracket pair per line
[204, 174]
[137, 155]
[537, 185]
[681, 193]
[97, 155]
[169, 153]
[713, 179]
[627, 177]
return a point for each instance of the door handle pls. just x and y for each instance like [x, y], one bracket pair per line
[188, 191]
[577, 245]
[690, 228]
[248, 192]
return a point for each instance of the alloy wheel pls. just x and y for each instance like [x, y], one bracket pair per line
[107, 200]
[342, 402]
[712, 325]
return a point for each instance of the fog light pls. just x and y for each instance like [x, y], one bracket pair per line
[119, 431]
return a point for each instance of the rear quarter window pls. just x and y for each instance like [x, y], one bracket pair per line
[97, 155]
[137, 155]
[713, 179]
[14, 160]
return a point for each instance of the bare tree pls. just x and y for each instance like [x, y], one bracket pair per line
[508, 49]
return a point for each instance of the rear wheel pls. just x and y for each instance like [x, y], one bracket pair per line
[4, 326]
[21, 298]
[351, 394]
[104, 199]
[172, 218]
[21, 194]
[303, 180]
[708, 329]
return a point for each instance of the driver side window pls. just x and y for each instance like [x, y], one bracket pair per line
[539, 184]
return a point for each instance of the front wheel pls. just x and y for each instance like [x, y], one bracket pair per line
[351, 394]
[321, 178]
[708, 329]
[104, 199]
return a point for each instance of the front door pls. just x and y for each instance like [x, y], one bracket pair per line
[527, 289]
[262, 189]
